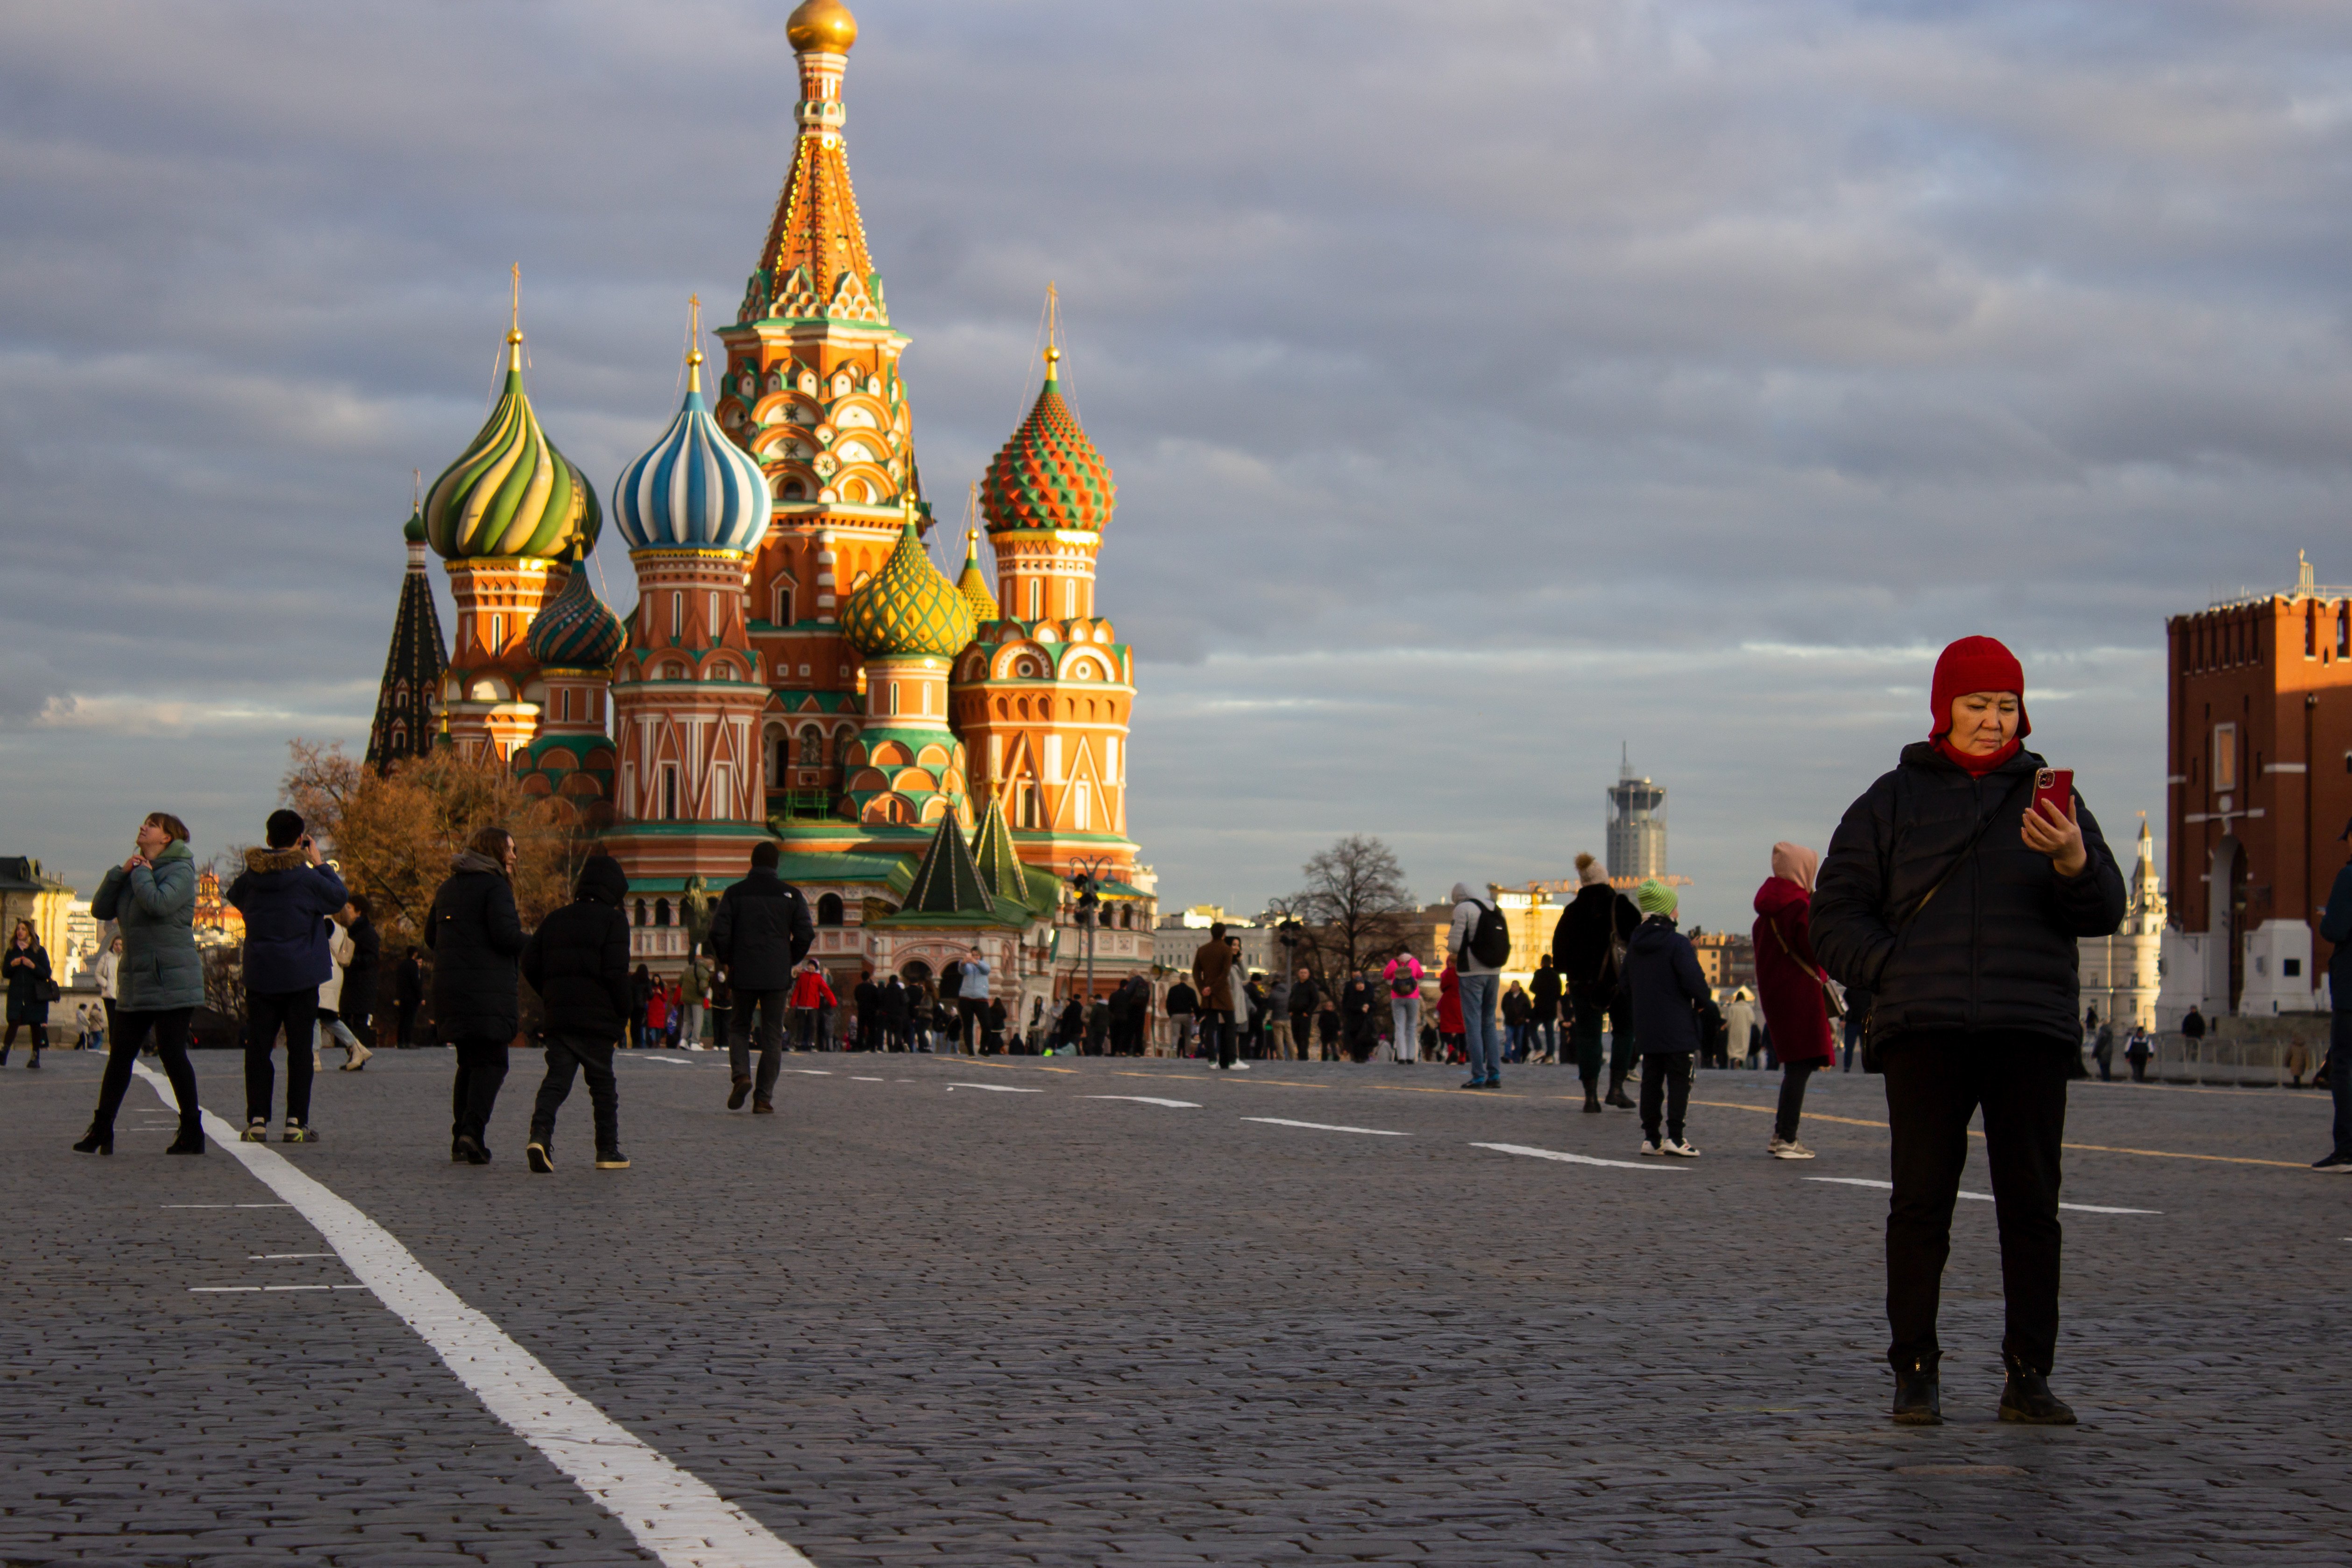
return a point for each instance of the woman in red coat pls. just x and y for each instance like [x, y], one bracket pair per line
[1789, 983]
[1450, 1026]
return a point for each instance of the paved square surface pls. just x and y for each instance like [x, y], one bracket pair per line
[919, 1318]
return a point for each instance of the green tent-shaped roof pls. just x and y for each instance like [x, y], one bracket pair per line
[998, 863]
[947, 882]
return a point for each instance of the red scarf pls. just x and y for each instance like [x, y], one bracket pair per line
[1976, 766]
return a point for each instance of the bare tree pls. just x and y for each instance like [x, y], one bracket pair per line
[1354, 903]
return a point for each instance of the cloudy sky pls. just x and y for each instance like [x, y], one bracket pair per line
[1489, 385]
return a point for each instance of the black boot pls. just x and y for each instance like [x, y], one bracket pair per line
[2026, 1398]
[1591, 1095]
[1918, 1395]
[1617, 1092]
[97, 1140]
[191, 1140]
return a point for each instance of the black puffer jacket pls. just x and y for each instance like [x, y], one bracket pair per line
[1994, 949]
[1664, 982]
[474, 935]
[1579, 943]
[578, 959]
[761, 931]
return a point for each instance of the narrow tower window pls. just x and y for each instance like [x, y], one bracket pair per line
[676, 615]
[669, 793]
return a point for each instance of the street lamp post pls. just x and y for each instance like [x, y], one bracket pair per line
[1087, 879]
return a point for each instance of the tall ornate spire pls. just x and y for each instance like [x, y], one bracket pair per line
[815, 266]
[403, 725]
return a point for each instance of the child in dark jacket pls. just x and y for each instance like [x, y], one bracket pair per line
[1664, 984]
[578, 962]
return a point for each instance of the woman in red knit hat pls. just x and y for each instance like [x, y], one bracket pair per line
[1955, 900]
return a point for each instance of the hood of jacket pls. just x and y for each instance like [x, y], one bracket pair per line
[466, 860]
[1463, 895]
[602, 881]
[1777, 894]
[259, 860]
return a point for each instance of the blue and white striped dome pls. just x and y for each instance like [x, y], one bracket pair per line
[695, 489]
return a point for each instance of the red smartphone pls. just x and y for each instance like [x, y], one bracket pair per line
[2056, 786]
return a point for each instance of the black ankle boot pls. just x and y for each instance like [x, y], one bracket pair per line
[1918, 1395]
[2026, 1398]
[190, 1141]
[1617, 1096]
[1591, 1095]
[97, 1140]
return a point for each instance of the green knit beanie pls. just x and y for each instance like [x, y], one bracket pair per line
[1654, 897]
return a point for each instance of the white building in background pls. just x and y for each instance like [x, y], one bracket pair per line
[1178, 936]
[81, 947]
[2123, 974]
[1637, 828]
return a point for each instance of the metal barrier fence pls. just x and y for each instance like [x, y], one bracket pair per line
[2238, 1064]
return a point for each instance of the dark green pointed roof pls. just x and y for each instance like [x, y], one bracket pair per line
[998, 862]
[947, 882]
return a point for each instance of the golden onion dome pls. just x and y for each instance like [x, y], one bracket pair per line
[908, 607]
[974, 587]
[820, 27]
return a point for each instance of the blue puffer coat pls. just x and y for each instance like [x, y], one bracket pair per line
[286, 901]
[154, 909]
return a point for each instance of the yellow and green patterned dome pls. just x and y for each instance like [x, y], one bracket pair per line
[908, 607]
[972, 585]
[511, 494]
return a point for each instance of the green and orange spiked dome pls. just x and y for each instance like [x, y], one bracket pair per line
[908, 607]
[511, 495]
[1049, 476]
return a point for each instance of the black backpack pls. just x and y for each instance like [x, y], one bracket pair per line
[1490, 939]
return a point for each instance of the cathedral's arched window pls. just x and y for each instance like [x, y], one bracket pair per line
[661, 912]
[828, 910]
[811, 747]
[641, 911]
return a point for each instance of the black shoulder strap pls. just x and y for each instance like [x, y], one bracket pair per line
[1959, 861]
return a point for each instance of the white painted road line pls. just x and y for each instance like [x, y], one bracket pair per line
[258, 1257]
[666, 1061]
[674, 1515]
[810, 1072]
[1148, 1100]
[854, 1079]
[228, 1205]
[1579, 1159]
[1973, 1197]
[995, 1088]
[1326, 1126]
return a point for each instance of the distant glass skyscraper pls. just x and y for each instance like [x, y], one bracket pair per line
[1637, 825]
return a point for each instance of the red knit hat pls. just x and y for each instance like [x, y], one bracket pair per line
[1975, 664]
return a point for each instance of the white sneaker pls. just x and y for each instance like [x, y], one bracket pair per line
[1650, 1148]
[1240, 1066]
[1791, 1151]
[1679, 1150]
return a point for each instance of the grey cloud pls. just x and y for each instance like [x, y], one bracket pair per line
[1473, 351]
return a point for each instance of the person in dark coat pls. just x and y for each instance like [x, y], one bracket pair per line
[1789, 982]
[475, 936]
[359, 976]
[1184, 1006]
[28, 967]
[1958, 904]
[1071, 1027]
[1664, 985]
[760, 932]
[408, 995]
[898, 1015]
[1586, 944]
[286, 892]
[1213, 965]
[1543, 1009]
[868, 1000]
[1306, 997]
[2334, 927]
[1358, 1004]
[578, 962]
[152, 898]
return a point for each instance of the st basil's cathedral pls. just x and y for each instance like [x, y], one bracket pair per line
[936, 759]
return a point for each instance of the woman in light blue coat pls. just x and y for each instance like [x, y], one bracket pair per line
[152, 898]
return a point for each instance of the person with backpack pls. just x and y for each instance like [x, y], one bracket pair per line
[1480, 943]
[1403, 977]
[1589, 945]
[1665, 986]
[1795, 993]
[578, 962]
[1959, 903]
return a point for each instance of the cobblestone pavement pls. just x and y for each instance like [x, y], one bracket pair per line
[915, 1319]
